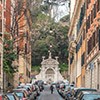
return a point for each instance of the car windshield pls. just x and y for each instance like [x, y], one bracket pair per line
[91, 97]
[19, 94]
[11, 97]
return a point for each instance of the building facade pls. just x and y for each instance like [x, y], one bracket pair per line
[84, 47]
[77, 43]
[24, 45]
[11, 22]
[93, 44]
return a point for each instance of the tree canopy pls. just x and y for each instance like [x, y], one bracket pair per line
[49, 33]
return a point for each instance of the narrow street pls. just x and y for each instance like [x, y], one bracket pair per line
[49, 49]
[46, 95]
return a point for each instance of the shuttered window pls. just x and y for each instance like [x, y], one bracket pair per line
[91, 16]
[88, 23]
[79, 45]
[25, 48]
[0, 25]
[82, 59]
[88, 1]
[98, 5]
[83, 34]
[99, 37]
[94, 40]
[82, 14]
[94, 10]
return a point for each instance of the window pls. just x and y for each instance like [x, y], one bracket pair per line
[83, 34]
[88, 1]
[82, 59]
[79, 45]
[94, 40]
[92, 16]
[98, 5]
[81, 17]
[25, 48]
[94, 10]
[99, 37]
[88, 23]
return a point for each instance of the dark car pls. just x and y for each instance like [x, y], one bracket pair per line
[78, 90]
[84, 95]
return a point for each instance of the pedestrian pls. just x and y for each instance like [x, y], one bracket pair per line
[68, 94]
[51, 88]
[73, 83]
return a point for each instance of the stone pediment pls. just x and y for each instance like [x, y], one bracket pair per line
[50, 62]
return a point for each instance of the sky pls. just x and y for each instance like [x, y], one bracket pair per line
[60, 11]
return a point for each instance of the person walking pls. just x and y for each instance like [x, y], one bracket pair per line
[51, 88]
[68, 94]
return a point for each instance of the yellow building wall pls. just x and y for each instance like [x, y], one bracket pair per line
[80, 71]
[78, 84]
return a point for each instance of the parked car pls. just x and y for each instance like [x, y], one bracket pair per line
[37, 90]
[28, 88]
[84, 95]
[32, 86]
[2, 97]
[78, 90]
[22, 90]
[21, 95]
[11, 96]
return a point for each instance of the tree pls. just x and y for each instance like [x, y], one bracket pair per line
[16, 11]
[46, 32]
[49, 33]
[9, 56]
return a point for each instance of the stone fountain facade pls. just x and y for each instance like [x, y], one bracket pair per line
[49, 70]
